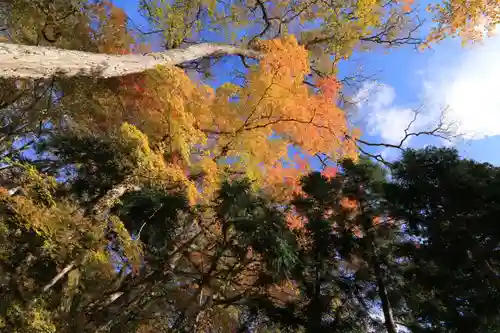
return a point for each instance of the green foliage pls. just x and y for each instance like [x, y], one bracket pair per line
[451, 205]
[233, 262]
[336, 255]
[258, 225]
[121, 217]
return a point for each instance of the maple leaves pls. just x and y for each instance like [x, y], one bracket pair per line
[329, 172]
[174, 134]
[309, 120]
[279, 55]
[468, 19]
[249, 128]
[295, 221]
[348, 204]
[275, 109]
[111, 29]
[329, 87]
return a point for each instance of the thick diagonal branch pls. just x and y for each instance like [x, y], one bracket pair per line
[59, 276]
[102, 207]
[23, 61]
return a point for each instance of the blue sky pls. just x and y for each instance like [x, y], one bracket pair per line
[461, 79]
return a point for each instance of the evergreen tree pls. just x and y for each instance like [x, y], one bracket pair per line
[451, 206]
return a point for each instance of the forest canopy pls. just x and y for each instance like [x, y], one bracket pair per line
[144, 187]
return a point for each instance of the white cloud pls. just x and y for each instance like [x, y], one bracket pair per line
[380, 117]
[465, 83]
[469, 87]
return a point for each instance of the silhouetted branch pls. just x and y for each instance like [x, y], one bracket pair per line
[440, 130]
[267, 21]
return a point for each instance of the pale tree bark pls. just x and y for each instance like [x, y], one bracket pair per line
[36, 62]
[59, 276]
[102, 207]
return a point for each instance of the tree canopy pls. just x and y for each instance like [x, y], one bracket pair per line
[146, 188]
[420, 249]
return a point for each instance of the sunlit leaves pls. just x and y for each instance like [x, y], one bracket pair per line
[275, 109]
[348, 204]
[329, 172]
[470, 19]
[329, 87]
[151, 167]
[111, 29]
[178, 19]
[249, 127]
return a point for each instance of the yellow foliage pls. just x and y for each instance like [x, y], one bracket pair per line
[209, 173]
[181, 102]
[251, 126]
[137, 142]
[40, 321]
[131, 248]
[175, 128]
[276, 102]
[470, 19]
[151, 167]
[64, 230]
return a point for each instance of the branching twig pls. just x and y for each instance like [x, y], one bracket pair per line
[267, 22]
[440, 130]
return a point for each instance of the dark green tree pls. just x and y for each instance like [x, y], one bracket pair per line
[121, 259]
[345, 254]
[451, 206]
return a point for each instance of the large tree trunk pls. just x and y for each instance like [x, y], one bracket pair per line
[22, 61]
[386, 305]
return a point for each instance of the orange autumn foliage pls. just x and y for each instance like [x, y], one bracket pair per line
[295, 221]
[329, 87]
[348, 204]
[111, 30]
[329, 172]
[284, 180]
[277, 102]
[247, 129]
[407, 5]
[376, 220]
[312, 121]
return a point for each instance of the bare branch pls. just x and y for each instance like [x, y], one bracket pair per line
[59, 276]
[101, 208]
[267, 21]
[381, 37]
[323, 159]
[145, 33]
[440, 130]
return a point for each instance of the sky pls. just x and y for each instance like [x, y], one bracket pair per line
[460, 81]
